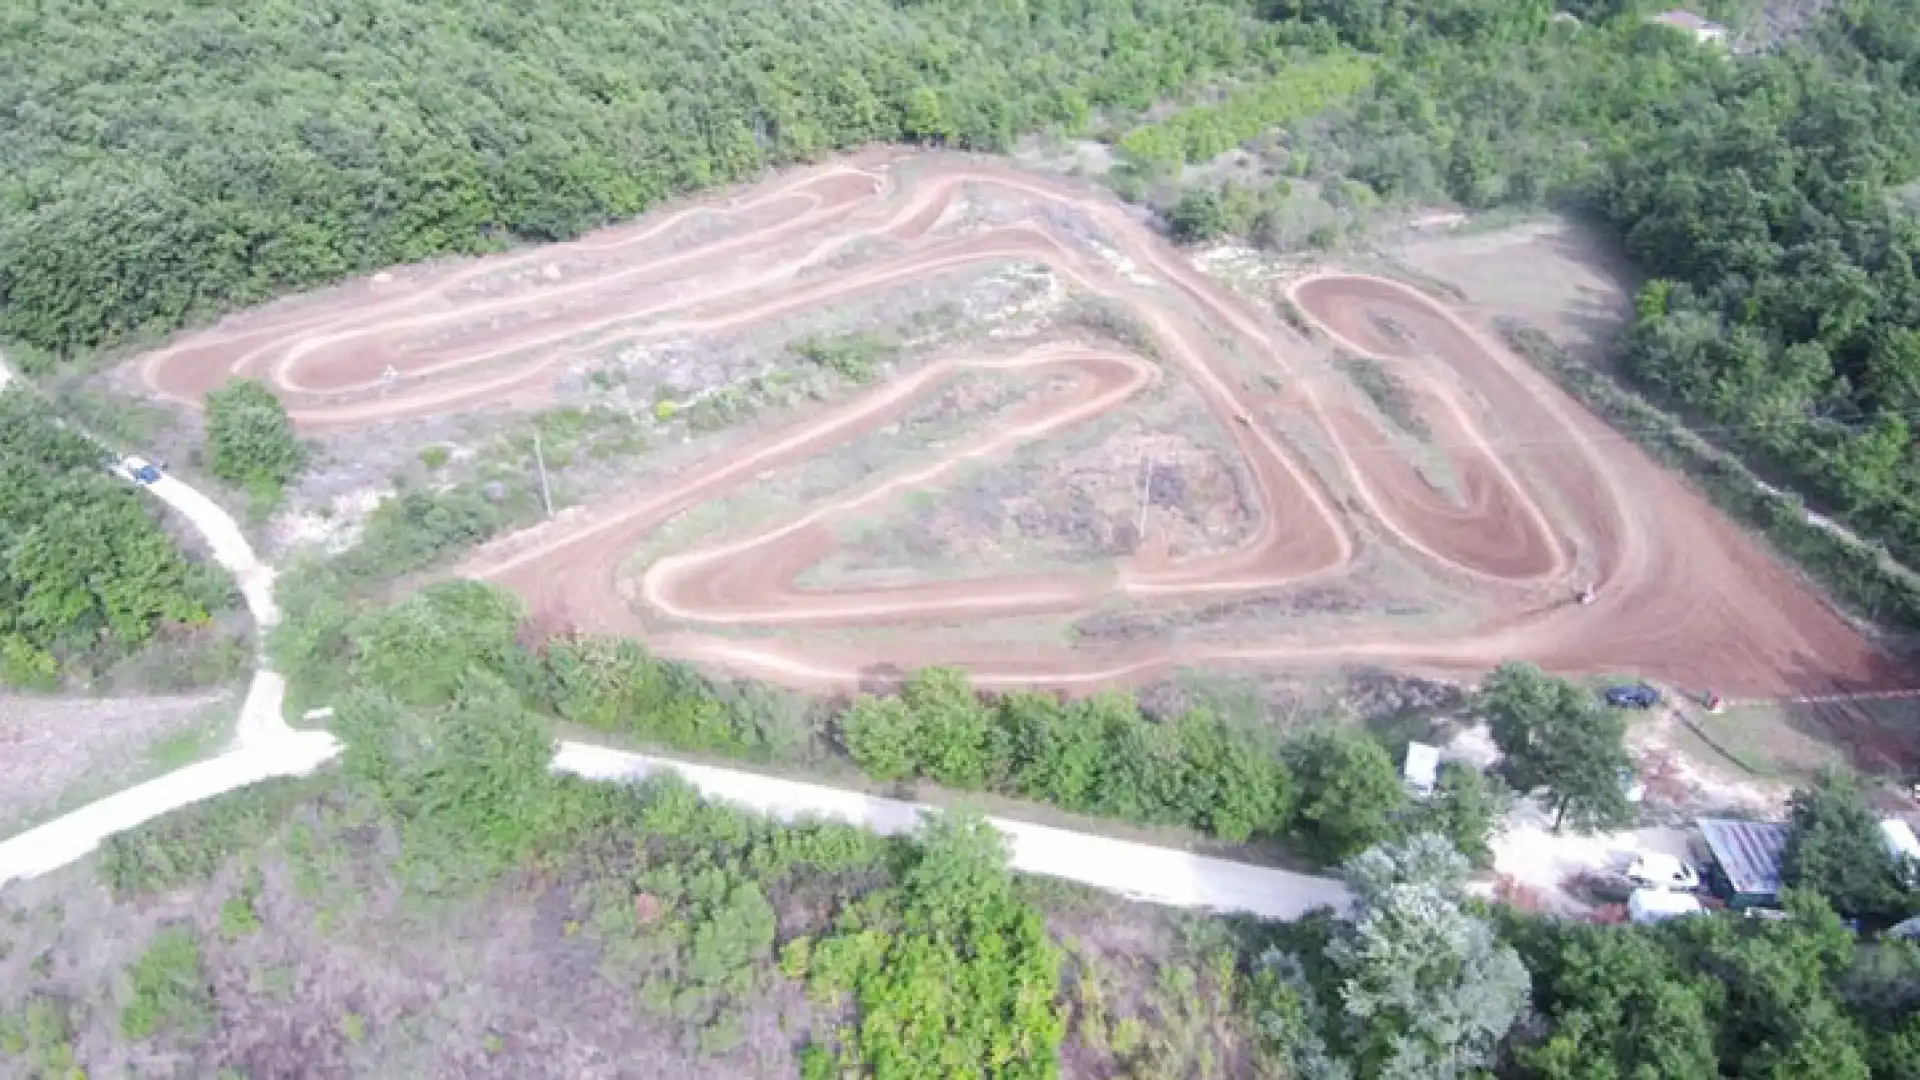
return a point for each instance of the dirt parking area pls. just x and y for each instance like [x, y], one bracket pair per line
[1553, 274]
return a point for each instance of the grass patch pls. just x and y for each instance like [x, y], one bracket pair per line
[192, 843]
[1200, 132]
[167, 990]
[1387, 392]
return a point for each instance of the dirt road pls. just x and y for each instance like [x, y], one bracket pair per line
[1548, 499]
[265, 746]
[1137, 871]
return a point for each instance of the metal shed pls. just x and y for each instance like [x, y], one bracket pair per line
[1746, 859]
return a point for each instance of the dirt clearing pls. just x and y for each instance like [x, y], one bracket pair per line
[1518, 497]
[56, 753]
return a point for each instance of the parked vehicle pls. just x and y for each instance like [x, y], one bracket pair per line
[1655, 870]
[139, 470]
[1637, 696]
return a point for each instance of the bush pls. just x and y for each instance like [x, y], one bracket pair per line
[953, 729]
[421, 649]
[880, 736]
[414, 530]
[966, 985]
[250, 441]
[615, 685]
[167, 988]
[853, 357]
[1198, 216]
[191, 844]
[1350, 794]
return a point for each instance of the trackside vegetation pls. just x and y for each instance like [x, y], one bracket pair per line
[1331, 793]
[919, 956]
[250, 440]
[87, 574]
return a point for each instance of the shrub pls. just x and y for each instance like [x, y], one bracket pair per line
[851, 356]
[615, 685]
[881, 734]
[250, 440]
[167, 988]
[191, 844]
[966, 985]
[1054, 750]
[1350, 793]
[953, 729]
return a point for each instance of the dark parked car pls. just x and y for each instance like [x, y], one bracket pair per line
[1637, 696]
[139, 470]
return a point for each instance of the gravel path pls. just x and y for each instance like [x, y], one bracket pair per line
[264, 746]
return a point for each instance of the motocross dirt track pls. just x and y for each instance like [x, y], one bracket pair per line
[1683, 596]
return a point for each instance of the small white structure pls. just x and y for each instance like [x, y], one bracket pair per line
[1422, 769]
[1703, 30]
[1659, 905]
[1902, 845]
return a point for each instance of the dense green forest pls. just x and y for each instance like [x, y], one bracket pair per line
[165, 161]
[87, 575]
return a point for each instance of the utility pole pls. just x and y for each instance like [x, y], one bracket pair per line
[1146, 497]
[546, 493]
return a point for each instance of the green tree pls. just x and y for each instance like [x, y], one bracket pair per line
[1426, 988]
[250, 440]
[1198, 216]
[1465, 808]
[1619, 1005]
[1350, 794]
[1231, 788]
[881, 734]
[1055, 749]
[967, 984]
[1836, 851]
[954, 729]
[1555, 735]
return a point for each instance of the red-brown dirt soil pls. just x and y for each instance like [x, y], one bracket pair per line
[1682, 595]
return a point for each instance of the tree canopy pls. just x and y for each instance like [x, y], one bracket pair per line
[1837, 851]
[87, 575]
[1556, 736]
[250, 441]
[167, 161]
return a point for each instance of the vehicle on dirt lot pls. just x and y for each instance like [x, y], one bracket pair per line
[1637, 696]
[139, 470]
[1658, 870]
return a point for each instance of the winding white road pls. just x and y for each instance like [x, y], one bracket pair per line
[265, 746]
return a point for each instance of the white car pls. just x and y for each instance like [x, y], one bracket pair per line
[1654, 870]
[139, 470]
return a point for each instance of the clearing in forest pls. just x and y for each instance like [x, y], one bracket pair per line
[1140, 468]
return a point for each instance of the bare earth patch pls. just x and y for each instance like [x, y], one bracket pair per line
[56, 753]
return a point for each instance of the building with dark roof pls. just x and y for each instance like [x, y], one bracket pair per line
[1746, 859]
